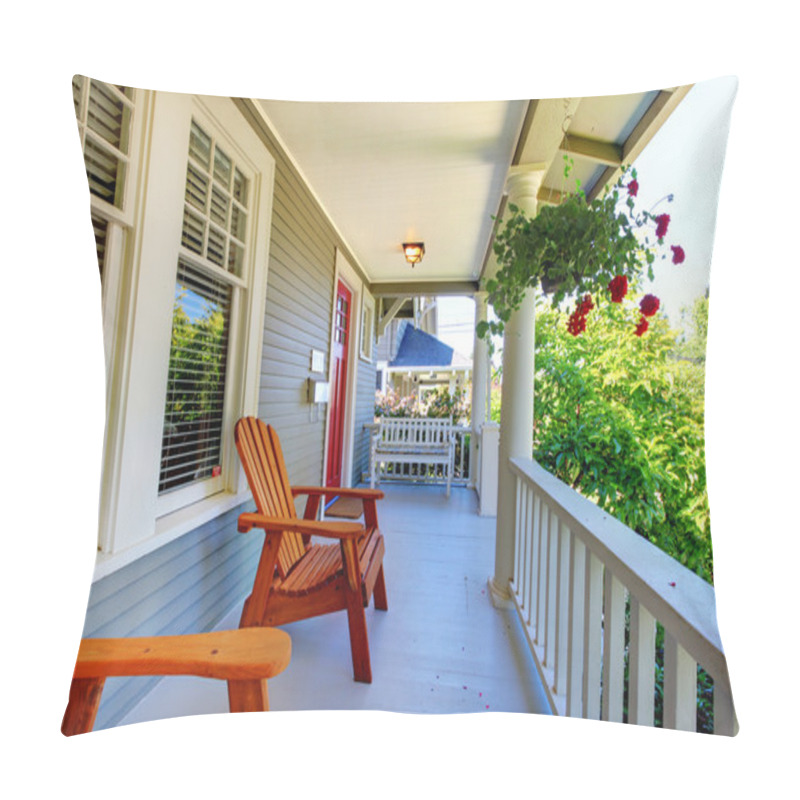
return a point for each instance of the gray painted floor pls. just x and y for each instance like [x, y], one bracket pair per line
[442, 647]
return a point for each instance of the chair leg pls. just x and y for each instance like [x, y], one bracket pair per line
[84, 700]
[359, 644]
[379, 592]
[248, 695]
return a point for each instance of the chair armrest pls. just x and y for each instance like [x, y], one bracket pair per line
[362, 494]
[332, 530]
[247, 653]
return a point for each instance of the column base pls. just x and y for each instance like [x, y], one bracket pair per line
[500, 597]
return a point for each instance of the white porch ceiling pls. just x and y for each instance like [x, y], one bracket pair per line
[387, 173]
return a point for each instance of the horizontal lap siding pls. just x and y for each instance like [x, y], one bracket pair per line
[364, 415]
[297, 321]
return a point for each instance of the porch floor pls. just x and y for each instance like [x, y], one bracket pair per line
[442, 647]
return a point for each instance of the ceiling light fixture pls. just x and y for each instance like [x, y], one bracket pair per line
[413, 252]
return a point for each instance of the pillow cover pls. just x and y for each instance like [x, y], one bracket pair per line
[251, 259]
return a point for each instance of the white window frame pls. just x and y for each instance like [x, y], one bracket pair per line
[133, 520]
[177, 499]
[119, 219]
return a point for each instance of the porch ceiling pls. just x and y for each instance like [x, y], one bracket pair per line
[387, 173]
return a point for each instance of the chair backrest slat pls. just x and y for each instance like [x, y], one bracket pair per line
[262, 458]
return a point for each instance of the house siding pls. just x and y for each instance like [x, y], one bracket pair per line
[364, 415]
[191, 583]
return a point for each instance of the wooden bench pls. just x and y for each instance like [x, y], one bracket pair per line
[244, 658]
[412, 440]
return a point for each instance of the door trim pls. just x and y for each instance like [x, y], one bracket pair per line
[345, 273]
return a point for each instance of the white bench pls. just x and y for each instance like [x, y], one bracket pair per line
[412, 440]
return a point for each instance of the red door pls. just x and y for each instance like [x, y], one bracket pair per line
[338, 395]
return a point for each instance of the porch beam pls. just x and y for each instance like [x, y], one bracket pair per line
[390, 315]
[423, 288]
[660, 109]
[593, 150]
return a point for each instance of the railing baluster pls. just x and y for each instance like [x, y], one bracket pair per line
[525, 548]
[577, 622]
[613, 648]
[541, 573]
[724, 717]
[552, 590]
[680, 686]
[562, 608]
[642, 665]
[530, 567]
[592, 640]
[518, 517]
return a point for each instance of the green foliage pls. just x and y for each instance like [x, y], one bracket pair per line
[620, 419]
[695, 319]
[197, 362]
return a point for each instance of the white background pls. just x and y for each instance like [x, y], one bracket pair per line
[52, 397]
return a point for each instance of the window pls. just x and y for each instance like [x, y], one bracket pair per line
[105, 116]
[213, 250]
[190, 315]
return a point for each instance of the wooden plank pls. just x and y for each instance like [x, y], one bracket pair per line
[228, 655]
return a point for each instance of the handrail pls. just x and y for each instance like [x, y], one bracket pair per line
[553, 522]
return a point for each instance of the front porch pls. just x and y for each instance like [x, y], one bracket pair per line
[441, 648]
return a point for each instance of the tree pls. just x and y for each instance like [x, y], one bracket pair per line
[619, 418]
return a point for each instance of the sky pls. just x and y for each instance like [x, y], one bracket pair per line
[684, 159]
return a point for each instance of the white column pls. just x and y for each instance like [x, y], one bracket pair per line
[516, 419]
[480, 383]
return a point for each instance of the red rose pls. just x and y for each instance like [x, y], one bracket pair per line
[633, 188]
[618, 288]
[649, 305]
[642, 326]
[678, 255]
[577, 321]
[662, 223]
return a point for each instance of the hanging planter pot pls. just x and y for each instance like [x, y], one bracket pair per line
[578, 249]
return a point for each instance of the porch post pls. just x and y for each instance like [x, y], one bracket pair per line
[516, 420]
[480, 382]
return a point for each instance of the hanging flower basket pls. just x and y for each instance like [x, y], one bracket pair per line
[580, 249]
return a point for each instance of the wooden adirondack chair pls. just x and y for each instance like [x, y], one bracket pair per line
[296, 579]
[243, 658]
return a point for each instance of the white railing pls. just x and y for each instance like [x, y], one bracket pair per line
[432, 473]
[593, 598]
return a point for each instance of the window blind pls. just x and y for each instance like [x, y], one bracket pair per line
[191, 445]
